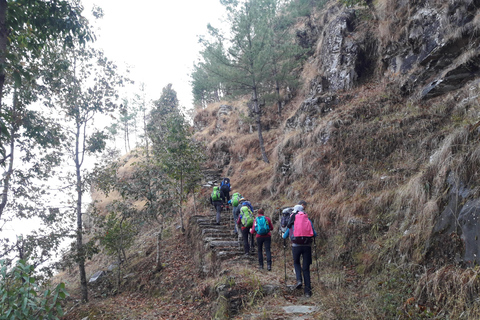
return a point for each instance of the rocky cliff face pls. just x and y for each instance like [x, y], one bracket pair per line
[424, 49]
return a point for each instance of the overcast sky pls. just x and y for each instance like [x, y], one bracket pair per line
[157, 38]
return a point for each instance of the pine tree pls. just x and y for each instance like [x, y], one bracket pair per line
[253, 60]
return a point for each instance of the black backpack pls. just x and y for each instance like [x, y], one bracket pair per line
[286, 213]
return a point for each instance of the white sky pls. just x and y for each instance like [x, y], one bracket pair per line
[157, 38]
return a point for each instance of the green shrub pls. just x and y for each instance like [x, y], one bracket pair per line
[22, 297]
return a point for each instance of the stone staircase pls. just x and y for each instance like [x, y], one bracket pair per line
[220, 244]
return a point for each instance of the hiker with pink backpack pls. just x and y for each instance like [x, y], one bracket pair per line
[301, 233]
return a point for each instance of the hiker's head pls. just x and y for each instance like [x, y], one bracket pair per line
[260, 211]
[303, 203]
[297, 208]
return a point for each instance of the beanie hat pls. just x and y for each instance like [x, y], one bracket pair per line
[298, 208]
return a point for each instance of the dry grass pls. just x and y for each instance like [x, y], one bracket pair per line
[451, 290]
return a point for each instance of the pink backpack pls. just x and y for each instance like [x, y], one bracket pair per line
[302, 227]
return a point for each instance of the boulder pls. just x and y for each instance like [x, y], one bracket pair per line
[97, 275]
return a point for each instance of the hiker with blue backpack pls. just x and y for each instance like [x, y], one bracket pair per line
[301, 233]
[217, 199]
[245, 221]
[226, 188]
[262, 226]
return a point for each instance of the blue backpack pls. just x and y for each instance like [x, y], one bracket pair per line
[261, 226]
[246, 204]
[225, 183]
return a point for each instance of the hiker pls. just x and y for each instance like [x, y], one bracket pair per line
[245, 220]
[262, 226]
[245, 202]
[216, 199]
[235, 202]
[301, 232]
[284, 217]
[226, 188]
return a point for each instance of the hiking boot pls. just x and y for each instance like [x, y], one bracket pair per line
[308, 295]
[260, 267]
[269, 267]
[298, 285]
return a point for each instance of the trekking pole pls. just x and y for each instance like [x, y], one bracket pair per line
[316, 258]
[285, 259]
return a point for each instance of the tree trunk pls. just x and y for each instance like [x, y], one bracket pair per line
[181, 203]
[194, 202]
[259, 125]
[118, 271]
[9, 172]
[3, 45]
[80, 248]
[279, 103]
[158, 264]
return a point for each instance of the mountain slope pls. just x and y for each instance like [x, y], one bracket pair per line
[382, 142]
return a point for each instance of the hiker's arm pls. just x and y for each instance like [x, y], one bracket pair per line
[285, 235]
[270, 223]
[314, 232]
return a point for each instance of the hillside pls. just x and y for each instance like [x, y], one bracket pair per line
[382, 142]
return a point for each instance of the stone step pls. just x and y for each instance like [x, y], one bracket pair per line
[214, 231]
[218, 227]
[229, 254]
[210, 239]
[217, 243]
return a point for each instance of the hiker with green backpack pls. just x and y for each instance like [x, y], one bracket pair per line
[262, 226]
[217, 199]
[235, 202]
[245, 220]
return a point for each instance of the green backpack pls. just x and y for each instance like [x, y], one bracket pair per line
[247, 217]
[236, 199]
[216, 194]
